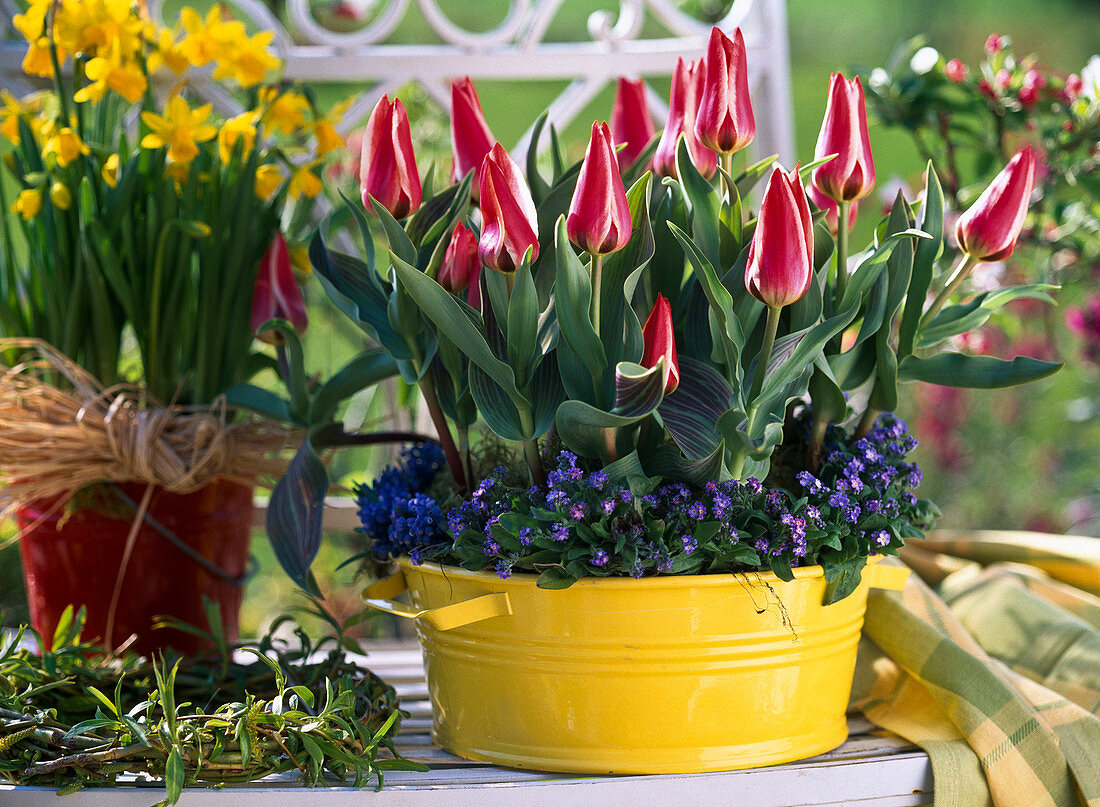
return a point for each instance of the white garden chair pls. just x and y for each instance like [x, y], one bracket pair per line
[517, 49]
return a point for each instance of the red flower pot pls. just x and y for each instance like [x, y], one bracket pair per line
[74, 558]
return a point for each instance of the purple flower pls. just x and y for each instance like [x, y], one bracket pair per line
[722, 505]
[600, 558]
[754, 485]
[852, 514]
[689, 543]
[608, 506]
[839, 500]
[881, 537]
[577, 511]
[697, 511]
[415, 557]
[560, 532]
[810, 482]
[504, 569]
[525, 536]
[597, 479]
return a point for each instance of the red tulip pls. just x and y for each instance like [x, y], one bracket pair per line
[989, 229]
[471, 139]
[461, 264]
[851, 174]
[509, 224]
[832, 216]
[683, 105]
[780, 265]
[276, 294]
[725, 122]
[388, 168]
[660, 343]
[631, 122]
[599, 215]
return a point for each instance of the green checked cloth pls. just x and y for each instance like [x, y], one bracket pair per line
[997, 677]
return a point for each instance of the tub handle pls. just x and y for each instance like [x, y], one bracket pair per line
[889, 577]
[379, 596]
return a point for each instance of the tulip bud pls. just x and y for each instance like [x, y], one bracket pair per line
[460, 262]
[683, 106]
[725, 122]
[851, 174]
[471, 139]
[631, 122]
[780, 261]
[599, 215]
[989, 229]
[660, 343]
[509, 222]
[276, 294]
[832, 217]
[388, 168]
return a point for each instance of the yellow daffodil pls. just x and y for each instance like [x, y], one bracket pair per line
[167, 53]
[60, 196]
[178, 171]
[324, 129]
[268, 180]
[303, 182]
[109, 172]
[248, 60]
[234, 129]
[65, 145]
[211, 38]
[28, 204]
[32, 25]
[92, 26]
[9, 117]
[180, 130]
[111, 70]
[286, 109]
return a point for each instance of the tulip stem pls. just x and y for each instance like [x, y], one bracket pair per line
[965, 265]
[439, 420]
[531, 448]
[727, 175]
[597, 291]
[770, 330]
[842, 211]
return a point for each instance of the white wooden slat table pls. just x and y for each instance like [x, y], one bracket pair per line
[867, 769]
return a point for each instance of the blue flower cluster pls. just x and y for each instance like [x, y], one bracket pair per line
[584, 523]
[397, 514]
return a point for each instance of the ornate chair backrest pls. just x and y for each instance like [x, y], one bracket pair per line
[521, 47]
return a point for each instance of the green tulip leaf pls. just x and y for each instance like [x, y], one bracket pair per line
[588, 431]
[957, 319]
[573, 295]
[924, 262]
[873, 265]
[398, 239]
[670, 463]
[539, 186]
[638, 390]
[294, 513]
[799, 351]
[365, 370]
[751, 176]
[261, 401]
[441, 308]
[691, 412]
[523, 324]
[703, 202]
[826, 395]
[975, 372]
[620, 330]
[496, 407]
[719, 298]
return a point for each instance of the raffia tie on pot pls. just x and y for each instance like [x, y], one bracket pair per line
[61, 430]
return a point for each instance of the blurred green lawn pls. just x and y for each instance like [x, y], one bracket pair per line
[824, 37]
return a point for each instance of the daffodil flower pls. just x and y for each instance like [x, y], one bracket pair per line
[65, 145]
[248, 60]
[113, 71]
[28, 203]
[240, 127]
[303, 182]
[285, 109]
[109, 172]
[268, 179]
[180, 130]
[324, 129]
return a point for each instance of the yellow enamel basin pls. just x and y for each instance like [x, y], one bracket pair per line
[615, 675]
